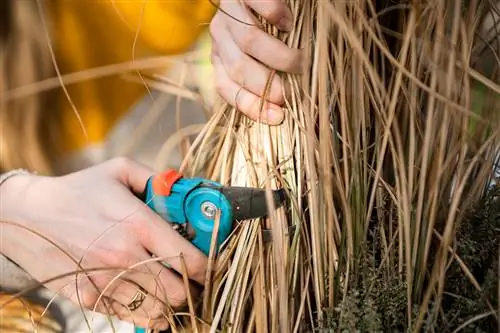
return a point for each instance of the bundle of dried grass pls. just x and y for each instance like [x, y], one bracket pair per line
[386, 154]
[388, 139]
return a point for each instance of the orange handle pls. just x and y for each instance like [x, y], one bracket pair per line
[163, 182]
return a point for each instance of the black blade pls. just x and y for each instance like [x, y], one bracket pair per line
[249, 203]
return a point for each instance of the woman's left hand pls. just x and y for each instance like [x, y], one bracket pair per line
[243, 55]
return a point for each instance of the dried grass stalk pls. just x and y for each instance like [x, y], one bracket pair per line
[383, 150]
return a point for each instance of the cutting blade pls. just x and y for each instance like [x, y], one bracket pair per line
[249, 203]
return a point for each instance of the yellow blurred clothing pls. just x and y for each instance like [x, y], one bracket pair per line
[88, 34]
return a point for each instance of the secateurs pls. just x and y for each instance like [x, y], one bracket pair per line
[191, 205]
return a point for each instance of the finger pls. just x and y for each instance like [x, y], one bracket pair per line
[130, 173]
[252, 40]
[244, 70]
[245, 101]
[164, 242]
[129, 298]
[127, 301]
[135, 264]
[274, 11]
[171, 293]
[158, 281]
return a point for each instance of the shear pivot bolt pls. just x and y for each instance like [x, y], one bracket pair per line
[208, 209]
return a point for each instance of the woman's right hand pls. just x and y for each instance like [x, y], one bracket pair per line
[94, 216]
[243, 55]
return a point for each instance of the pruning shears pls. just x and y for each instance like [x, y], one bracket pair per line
[191, 206]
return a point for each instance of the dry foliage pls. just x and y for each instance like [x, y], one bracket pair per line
[389, 137]
[386, 154]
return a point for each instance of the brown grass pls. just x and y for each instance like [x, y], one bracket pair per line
[388, 142]
[385, 132]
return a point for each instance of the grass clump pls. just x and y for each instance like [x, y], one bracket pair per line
[386, 154]
[377, 303]
[388, 141]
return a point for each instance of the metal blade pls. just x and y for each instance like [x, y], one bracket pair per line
[249, 203]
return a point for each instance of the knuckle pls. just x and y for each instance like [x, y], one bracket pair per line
[277, 92]
[88, 300]
[120, 164]
[292, 61]
[119, 256]
[274, 11]
[198, 267]
[102, 284]
[215, 26]
[277, 97]
[84, 291]
[158, 309]
[85, 296]
[249, 40]
[220, 87]
[236, 71]
[214, 54]
[138, 225]
[178, 297]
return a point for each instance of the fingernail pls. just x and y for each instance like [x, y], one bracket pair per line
[275, 117]
[286, 22]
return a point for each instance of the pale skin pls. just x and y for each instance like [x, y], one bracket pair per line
[243, 56]
[94, 215]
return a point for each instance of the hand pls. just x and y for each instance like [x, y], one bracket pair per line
[243, 55]
[94, 217]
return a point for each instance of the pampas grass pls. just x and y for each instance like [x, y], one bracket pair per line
[385, 147]
[386, 155]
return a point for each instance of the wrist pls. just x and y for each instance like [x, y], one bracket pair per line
[12, 186]
[5, 176]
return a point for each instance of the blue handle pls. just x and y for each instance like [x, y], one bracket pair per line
[200, 206]
[189, 203]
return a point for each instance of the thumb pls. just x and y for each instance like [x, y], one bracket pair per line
[131, 173]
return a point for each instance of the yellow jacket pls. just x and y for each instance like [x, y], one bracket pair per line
[88, 34]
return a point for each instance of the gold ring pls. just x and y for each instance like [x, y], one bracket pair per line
[137, 300]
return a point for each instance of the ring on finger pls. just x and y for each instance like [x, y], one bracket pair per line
[137, 300]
